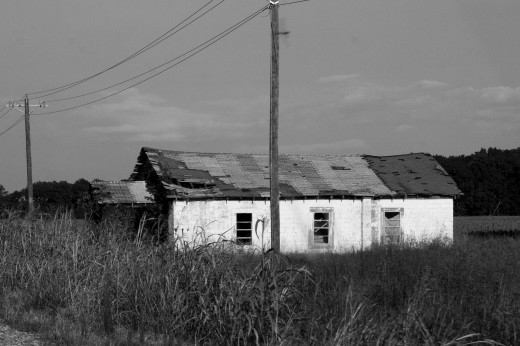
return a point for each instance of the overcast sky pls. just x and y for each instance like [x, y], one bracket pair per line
[356, 77]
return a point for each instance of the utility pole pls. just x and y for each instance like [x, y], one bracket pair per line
[27, 113]
[273, 131]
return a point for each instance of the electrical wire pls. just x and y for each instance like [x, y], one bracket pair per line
[200, 48]
[10, 108]
[3, 115]
[153, 69]
[189, 54]
[150, 45]
[13, 125]
[145, 48]
[293, 2]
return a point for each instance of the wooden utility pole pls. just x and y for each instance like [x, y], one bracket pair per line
[30, 204]
[273, 131]
[27, 113]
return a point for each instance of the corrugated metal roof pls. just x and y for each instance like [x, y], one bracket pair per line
[413, 174]
[121, 192]
[217, 175]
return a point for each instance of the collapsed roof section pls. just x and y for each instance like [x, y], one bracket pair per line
[190, 175]
[121, 192]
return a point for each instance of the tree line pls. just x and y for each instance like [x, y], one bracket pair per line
[49, 197]
[489, 180]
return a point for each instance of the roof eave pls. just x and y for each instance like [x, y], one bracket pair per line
[309, 197]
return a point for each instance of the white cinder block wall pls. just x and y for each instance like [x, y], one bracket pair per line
[197, 221]
[423, 218]
[356, 224]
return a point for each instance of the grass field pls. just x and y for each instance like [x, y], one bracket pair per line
[486, 226]
[90, 285]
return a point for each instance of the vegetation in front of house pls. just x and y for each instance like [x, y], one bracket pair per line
[80, 283]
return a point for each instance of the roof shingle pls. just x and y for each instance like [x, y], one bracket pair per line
[413, 174]
[218, 175]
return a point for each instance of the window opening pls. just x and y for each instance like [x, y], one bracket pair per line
[244, 228]
[321, 228]
[392, 227]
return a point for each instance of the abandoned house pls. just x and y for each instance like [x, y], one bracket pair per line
[327, 202]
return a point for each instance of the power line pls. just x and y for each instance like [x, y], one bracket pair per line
[3, 115]
[152, 44]
[203, 45]
[159, 66]
[145, 48]
[10, 108]
[293, 2]
[189, 54]
[13, 125]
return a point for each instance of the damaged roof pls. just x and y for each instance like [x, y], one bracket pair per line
[191, 175]
[121, 192]
[413, 174]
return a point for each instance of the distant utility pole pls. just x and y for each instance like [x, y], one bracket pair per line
[26, 106]
[273, 131]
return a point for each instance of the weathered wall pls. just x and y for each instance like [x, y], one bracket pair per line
[356, 224]
[422, 218]
[214, 220]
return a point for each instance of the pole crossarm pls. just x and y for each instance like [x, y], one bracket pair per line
[13, 104]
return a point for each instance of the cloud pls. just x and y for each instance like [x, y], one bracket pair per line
[428, 97]
[126, 128]
[500, 95]
[353, 116]
[421, 116]
[143, 118]
[414, 95]
[362, 94]
[404, 128]
[326, 148]
[413, 101]
[337, 78]
[431, 84]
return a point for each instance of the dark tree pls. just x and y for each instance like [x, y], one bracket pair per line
[489, 179]
[49, 197]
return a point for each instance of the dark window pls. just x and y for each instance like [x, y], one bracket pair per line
[321, 228]
[244, 228]
[392, 227]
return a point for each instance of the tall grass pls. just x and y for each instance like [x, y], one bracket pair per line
[89, 284]
[486, 226]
